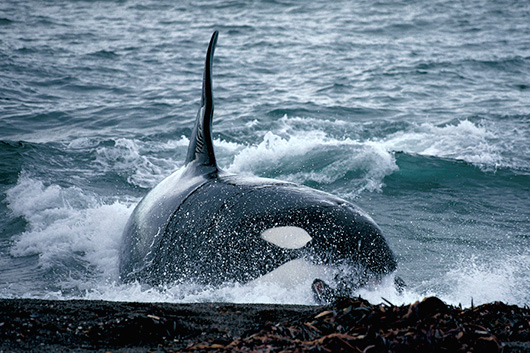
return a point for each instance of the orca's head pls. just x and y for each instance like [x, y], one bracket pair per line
[291, 233]
[338, 243]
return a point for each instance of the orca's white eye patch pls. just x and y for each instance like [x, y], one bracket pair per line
[287, 237]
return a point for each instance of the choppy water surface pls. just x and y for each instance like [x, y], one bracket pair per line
[418, 111]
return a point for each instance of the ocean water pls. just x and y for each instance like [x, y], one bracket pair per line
[417, 111]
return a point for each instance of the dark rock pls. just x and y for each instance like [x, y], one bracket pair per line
[347, 325]
[429, 306]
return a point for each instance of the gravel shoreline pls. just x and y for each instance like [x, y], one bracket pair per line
[349, 325]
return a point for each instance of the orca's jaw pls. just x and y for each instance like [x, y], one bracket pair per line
[328, 281]
[295, 273]
[329, 272]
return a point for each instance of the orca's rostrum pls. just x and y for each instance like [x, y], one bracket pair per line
[204, 225]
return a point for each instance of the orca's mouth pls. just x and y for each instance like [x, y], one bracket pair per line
[324, 293]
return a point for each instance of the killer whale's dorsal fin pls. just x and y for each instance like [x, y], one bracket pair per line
[200, 149]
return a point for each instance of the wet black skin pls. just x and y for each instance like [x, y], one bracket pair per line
[214, 235]
[203, 225]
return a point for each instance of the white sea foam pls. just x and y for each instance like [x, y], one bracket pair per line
[193, 293]
[330, 159]
[488, 144]
[143, 163]
[274, 149]
[66, 222]
[471, 281]
[127, 155]
[475, 143]
[506, 278]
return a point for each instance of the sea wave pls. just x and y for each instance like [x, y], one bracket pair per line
[66, 225]
[476, 143]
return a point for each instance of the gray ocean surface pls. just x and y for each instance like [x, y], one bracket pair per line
[417, 111]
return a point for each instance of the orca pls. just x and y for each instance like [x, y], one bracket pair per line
[204, 225]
